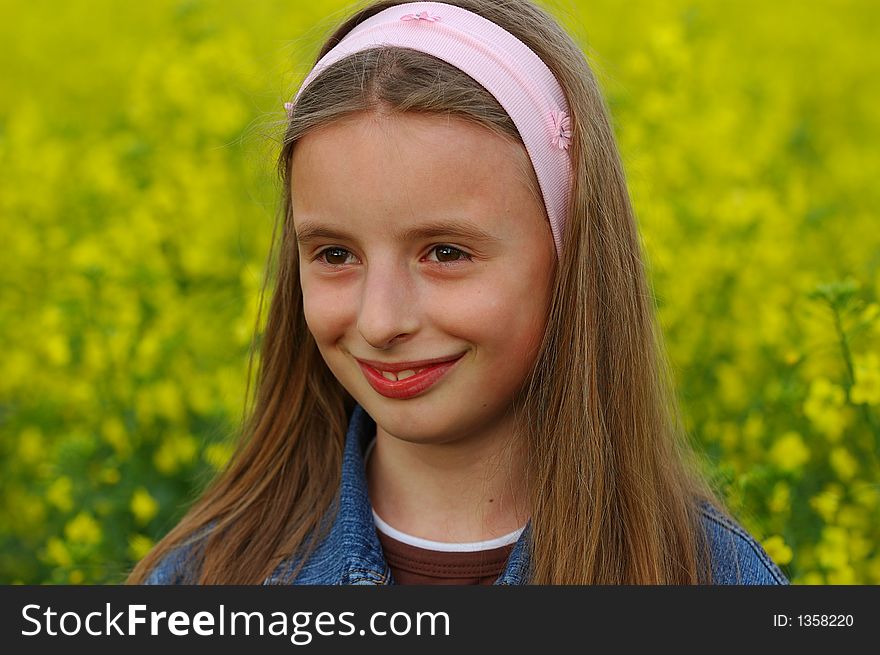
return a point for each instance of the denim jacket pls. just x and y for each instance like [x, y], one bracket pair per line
[352, 555]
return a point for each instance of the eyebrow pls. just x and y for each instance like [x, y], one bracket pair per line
[309, 231]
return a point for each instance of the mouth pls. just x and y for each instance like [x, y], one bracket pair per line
[406, 379]
[397, 368]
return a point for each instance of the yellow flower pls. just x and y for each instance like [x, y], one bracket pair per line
[866, 494]
[812, 578]
[180, 448]
[60, 493]
[114, 433]
[168, 400]
[729, 435]
[871, 312]
[143, 506]
[832, 549]
[186, 447]
[94, 353]
[852, 516]
[826, 503]
[733, 388]
[859, 547]
[164, 459]
[145, 406]
[780, 497]
[57, 553]
[199, 396]
[76, 577]
[778, 550]
[217, 454]
[845, 574]
[138, 546]
[83, 529]
[867, 375]
[147, 352]
[88, 253]
[789, 452]
[843, 463]
[753, 430]
[57, 349]
[31, 446]
[823, 407]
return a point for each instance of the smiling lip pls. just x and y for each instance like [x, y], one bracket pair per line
[396, 367]
[434, 369]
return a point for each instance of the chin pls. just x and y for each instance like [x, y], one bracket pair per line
[414, 422]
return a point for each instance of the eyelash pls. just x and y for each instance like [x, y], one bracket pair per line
[465, 256]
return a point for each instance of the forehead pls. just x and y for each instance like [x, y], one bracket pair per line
[408, 166]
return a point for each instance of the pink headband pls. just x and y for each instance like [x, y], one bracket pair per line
[523, 85]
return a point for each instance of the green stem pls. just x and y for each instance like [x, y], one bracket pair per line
[850, 382]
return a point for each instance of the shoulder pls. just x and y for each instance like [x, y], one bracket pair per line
[737, 557]
[180, 564]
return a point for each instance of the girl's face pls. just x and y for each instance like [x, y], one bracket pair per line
[419, 239]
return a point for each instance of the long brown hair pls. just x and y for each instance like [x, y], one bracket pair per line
[613, 482]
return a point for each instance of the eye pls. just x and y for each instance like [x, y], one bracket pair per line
[333, 256]
[447, 254]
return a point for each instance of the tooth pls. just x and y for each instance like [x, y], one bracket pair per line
[402, 375]
[389, 376]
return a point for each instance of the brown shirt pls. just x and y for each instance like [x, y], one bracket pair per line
[413, 565]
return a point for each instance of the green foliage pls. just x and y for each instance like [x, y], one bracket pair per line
[136, 151]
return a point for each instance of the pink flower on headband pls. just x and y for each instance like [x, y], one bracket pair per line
[422, 15]
[561, 129]
[289, 107]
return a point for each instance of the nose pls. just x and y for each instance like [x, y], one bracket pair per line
[389, 308]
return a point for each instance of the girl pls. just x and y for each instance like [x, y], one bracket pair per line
[461, 377]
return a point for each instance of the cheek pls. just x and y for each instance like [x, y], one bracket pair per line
[327, 309]
[505, 321]
[509, 337]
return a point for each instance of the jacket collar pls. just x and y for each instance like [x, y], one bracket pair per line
[364, 561]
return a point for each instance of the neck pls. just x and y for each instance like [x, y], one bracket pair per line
[466, 490]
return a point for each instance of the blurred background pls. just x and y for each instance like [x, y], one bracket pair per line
[137, 197]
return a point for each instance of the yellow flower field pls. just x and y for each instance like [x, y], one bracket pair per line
[137, 198]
